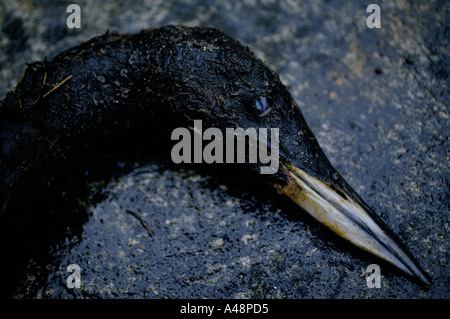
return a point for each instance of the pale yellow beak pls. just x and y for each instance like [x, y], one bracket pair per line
[345, 216]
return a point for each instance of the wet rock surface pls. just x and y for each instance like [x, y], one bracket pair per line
[376, 99]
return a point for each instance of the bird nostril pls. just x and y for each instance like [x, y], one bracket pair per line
[338, 191]
[262, 105]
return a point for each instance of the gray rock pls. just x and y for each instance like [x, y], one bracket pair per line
[376, 99]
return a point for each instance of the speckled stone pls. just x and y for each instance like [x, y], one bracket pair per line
[377, 101]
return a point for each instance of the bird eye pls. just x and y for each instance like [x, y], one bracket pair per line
[262, 105]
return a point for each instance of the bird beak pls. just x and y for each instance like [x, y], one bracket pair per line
[336, 209]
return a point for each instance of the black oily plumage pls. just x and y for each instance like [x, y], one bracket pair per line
[145, 83]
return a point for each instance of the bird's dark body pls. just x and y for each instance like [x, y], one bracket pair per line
[145, 83]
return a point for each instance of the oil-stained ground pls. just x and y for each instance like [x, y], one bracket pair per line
[376, 99]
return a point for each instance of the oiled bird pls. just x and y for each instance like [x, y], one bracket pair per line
[161, 79]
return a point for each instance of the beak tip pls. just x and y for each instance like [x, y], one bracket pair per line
[424, 280]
